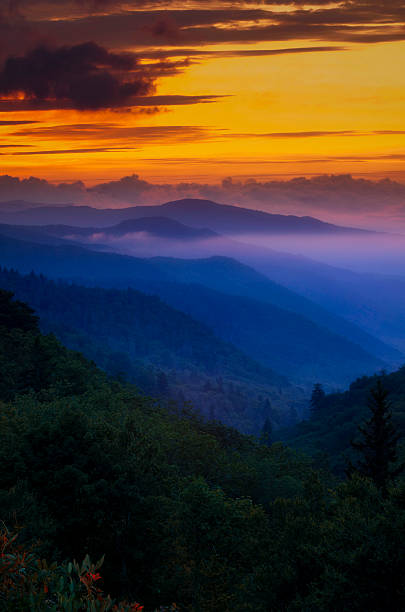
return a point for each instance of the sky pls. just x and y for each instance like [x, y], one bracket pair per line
[198, 91]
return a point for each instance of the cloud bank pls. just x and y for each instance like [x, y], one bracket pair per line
[86, 75]
[338, 198]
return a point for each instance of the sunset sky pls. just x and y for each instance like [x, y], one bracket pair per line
[201, 90]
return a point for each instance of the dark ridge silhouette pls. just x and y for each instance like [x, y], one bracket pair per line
[221, 218]
[159, 227]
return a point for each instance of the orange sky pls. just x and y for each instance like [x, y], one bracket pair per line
[336, 110]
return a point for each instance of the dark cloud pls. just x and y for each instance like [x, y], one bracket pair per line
[38, 28]
[87, 76]
[65, 151]
[12, 122]
[139, 28]
[14, 146]
[165, 28]
[142, 24]
[34, 189]
[16, 34]
[142, 103]
[176, 100]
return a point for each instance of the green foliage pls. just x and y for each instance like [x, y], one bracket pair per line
[335, 550]
[329, 435]
[184, 510]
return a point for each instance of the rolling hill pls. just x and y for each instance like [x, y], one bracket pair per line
[263, 325]
[159, 227]
[140, 335]
[286, 341]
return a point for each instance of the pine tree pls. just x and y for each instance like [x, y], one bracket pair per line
[317, 397]
[378, 445]
[162, 384]
[15, 314]
[267, 430]
[220, 384]
[266, 406]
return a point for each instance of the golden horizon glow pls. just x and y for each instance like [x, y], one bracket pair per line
[316, 112]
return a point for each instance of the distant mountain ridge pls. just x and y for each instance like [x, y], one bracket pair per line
[159, 227]
[222, 218]
[280, 339]
[229, 287]
[283, 279]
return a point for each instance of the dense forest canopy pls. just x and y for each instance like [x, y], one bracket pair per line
[329, 431]
[185, 510]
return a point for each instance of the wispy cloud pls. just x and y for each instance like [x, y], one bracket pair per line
[137, 104]
[67, 151]
[204, 53]
[115, 132]
[10, 122]
[140, 24]
[178, 133]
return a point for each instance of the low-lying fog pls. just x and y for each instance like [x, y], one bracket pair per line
[360, 252]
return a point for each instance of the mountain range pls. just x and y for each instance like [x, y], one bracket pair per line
[222, 218]
[197, 228]
[282, 310]
[244, 307]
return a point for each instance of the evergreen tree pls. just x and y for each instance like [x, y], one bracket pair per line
[267, 430]
[317, 397]
[379, 441]
[15, 314]
[266, 406]
[162, 384]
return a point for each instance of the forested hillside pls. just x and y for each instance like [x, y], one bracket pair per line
[185, 511]
[280, 339]
[341, 351]
[328, 432]
[164, 351]
[224, 274]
